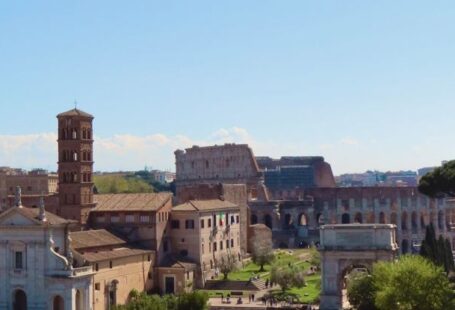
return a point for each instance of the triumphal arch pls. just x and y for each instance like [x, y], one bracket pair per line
[346, 246]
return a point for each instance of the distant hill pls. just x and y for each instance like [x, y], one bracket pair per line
[136, 182]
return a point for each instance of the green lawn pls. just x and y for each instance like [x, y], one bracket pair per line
[282, 257]
[308, 294]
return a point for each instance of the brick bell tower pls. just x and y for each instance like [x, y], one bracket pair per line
[75, 165]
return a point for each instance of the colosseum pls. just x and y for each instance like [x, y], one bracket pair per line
[294, 196]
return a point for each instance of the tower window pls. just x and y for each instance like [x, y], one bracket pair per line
[74, 134]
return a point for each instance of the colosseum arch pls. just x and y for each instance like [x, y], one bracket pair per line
[381, 218]
[440, 220]
[345, 246]
[268, 221]
[393, 218]
[422, 221]
[303, 219]
[414, 224]
[358, 218]
[345, 218]
[404, 221]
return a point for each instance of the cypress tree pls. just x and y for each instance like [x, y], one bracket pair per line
[449, 256]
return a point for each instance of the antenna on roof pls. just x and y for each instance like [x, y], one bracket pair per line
[75, 104]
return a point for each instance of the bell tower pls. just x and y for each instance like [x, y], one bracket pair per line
[75, 165]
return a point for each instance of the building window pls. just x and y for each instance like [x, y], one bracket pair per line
[115, 219]
[227, 244]
[100, 219]
[97, 286]
[209, 223]
[110, 264]
[237, 219]
[19, 260]
[221, 245]
[97, 267]
[232, 243]
[150, 275]
[202, 223]
[149, 257]
[214, 246]
[175, 224]
[129, 218]
[189, 224]
[145, 219]
[202, 248]
[232, 219]
[210, 247]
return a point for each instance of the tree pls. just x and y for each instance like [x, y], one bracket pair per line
[440, 182]
[287, 276]
[412, 282]
[315, 257]
[262, 252]
[186, 301]
[193, 301]
[438, 250]
[361, 292]
[227, 265]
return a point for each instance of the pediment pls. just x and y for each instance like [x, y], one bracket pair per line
[15, 218]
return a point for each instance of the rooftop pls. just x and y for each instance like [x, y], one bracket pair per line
[171, 262]
[33, 214]
[98, 256]
[205, 205]
[94, 238]
[75, 112]
[131, 202]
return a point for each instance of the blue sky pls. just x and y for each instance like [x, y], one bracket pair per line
[368, 85]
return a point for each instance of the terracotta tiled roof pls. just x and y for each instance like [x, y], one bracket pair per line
[94, 238]
[75, 112]
[131, 202]
[205, 205]
[113, 254]
[171, 262]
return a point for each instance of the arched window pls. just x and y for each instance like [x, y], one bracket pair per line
[268, 221]
[113, 293]
[79, 300]
[441, 220]
[19, 300]
[74, 134]
[303, 221]
[414, 225]
[358, 218]
[393, 218]
[58, 303]
[404, 221]
[287, 220]
[422, 221]
[345, 218]
[381, 218]
[404, 246]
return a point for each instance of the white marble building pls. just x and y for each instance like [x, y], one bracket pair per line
[36, 270]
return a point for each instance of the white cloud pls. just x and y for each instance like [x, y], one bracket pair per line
[119, 152]
[131, 152]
